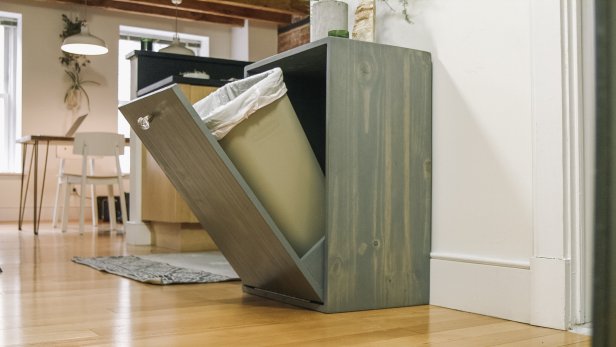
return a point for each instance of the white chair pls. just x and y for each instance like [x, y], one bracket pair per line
[66, 156]
[88, 146]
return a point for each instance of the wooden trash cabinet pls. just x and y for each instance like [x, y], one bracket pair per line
[366, 111]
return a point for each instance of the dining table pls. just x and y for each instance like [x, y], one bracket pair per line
[38, 188]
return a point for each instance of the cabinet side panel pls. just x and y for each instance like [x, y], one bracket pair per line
[379, 176]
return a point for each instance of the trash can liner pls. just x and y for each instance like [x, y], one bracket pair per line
[236, 101]
[266, 143]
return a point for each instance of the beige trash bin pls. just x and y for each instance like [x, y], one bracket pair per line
[259, 131]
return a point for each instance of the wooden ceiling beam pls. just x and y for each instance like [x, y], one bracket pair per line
[131, 7]
[231, 12]
[223, 9]
[296, 7]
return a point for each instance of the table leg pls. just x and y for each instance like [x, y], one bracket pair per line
[43, 185]
[20, 218]
[35, 221]
[25, 199]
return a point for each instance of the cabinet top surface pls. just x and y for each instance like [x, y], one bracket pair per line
[171, 56]
[324, 42]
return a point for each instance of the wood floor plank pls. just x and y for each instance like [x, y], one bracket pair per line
[47, 300]
[552, 340]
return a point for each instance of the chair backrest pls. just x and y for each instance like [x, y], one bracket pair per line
[98, 144]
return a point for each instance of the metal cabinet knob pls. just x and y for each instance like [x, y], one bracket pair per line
[144, 122]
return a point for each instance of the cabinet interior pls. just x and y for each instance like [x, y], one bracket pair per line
[305, 77]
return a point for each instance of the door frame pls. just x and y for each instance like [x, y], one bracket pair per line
[562, 182]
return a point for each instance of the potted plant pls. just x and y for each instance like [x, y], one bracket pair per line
[73, 65]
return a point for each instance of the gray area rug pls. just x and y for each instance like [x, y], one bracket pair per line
[166, 268]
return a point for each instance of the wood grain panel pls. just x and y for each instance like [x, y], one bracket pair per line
[219, 197]
[376, 108]
[160, 200]
[181, 237]
[159, 197]
[379, 178]
[194, 94]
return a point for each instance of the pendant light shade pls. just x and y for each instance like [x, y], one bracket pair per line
[176, 46]
[84, 43]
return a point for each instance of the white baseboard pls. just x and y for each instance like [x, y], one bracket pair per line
[582, 329]
[549, 293]
[495, 290]
[11, 214]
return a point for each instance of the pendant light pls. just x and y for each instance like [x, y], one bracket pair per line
[84, 43]
[176, 46]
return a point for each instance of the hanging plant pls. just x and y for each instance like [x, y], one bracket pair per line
[405, 5]
[73, 65]
[74, 93]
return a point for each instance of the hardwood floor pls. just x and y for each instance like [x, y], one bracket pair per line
[47, 300]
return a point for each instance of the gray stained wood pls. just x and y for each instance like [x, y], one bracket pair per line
[366, 110]
[379, 186]
[217, 194]
[604, 281]
[376, 108]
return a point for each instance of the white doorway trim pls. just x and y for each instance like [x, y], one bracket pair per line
[559, 266]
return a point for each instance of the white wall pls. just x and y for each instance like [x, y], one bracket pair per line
[44, 81]
[261, 42]
[254, 41]
[482, 148]
[497, 91]
[482, 159]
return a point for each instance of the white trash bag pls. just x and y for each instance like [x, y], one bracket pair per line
[236, 101]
